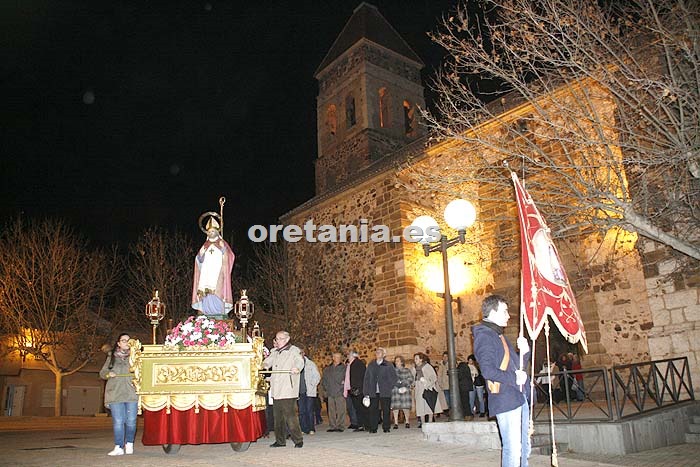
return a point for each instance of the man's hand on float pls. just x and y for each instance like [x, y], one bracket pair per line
[523, 346]
[520, 377]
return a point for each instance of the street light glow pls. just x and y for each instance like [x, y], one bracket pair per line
[432, 278]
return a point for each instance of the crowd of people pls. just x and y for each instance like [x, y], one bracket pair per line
[365, 396]
[382, 393]
[559, 379]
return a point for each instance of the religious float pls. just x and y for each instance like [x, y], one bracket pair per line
[204, 384]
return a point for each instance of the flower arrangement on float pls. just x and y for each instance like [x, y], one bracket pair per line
[201, 332]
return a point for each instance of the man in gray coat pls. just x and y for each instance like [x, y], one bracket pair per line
[333, 382]
[287, 362]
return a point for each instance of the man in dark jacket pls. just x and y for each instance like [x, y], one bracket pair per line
[380, 378]
[506, 383]
[356, 377]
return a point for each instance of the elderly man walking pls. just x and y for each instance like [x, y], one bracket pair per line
[380, 378]
[287, 362]
[333, 382]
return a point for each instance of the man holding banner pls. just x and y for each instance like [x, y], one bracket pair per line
[507, 384]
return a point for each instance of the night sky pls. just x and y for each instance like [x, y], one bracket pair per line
[119, 115]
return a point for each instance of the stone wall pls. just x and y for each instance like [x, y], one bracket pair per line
[673, 293]
[350, 295]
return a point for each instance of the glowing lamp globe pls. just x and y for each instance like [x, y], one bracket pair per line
[424, 223]
[460, 214]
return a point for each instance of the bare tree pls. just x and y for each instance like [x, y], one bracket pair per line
[161, 261]
[54, 295]
[270, 278]
[596, 103]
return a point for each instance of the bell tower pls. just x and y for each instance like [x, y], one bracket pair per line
[369, 93]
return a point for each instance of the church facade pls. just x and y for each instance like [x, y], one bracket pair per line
[364, 294]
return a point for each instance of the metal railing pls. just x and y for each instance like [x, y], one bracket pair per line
[600, 394]
[579, 395]
[651, 385]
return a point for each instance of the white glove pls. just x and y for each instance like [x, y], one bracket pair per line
[422, 379]
[523, 346]
[365, 401]
[402, 390]
[520, 377]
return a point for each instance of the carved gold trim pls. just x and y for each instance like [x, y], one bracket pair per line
[200, 373]
[135, 362]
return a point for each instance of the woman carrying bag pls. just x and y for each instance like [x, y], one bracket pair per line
[120, 396]
[426, 380]
[401, 393]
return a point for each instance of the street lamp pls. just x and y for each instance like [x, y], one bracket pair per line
[459, 215]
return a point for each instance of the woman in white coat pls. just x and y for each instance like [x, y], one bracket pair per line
[426, 378]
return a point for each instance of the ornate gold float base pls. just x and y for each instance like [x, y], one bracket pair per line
[206, 378]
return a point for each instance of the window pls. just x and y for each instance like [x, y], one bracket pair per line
[350, 119]
[409, 118]
[383, 108]
[332, 119]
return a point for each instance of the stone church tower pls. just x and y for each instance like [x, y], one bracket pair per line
[369, 90]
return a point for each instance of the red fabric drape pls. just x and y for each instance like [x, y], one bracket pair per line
[205, 427]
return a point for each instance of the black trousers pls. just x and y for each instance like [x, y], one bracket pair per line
[375, 405]
[285, 413]
[360, 411]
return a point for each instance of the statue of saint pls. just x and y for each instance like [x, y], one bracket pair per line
[211, 291]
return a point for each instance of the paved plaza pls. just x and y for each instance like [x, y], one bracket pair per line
[42, 445]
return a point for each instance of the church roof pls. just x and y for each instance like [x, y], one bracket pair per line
[366, 22]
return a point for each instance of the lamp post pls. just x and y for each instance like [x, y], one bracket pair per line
[459, 215]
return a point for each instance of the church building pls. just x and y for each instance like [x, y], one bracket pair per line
[365, 294]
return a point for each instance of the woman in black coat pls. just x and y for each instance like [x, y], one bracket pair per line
[466, 386]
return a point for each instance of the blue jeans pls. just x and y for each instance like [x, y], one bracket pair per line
[123, 422]
[307, 409]
[447, 397]
[478, 394]
[513, 426]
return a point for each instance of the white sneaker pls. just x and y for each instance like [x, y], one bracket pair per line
[117, 451]
[129, 448]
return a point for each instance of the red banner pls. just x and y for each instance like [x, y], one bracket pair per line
[545, 288]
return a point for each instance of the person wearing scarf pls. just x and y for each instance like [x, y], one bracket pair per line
[506, 383]
[120, 396]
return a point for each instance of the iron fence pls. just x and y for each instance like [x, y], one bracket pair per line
[642, 387]
[600, 394]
